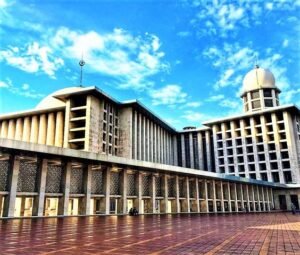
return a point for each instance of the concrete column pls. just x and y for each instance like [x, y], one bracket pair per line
[253, 198]
[208, 151]
[268, 199]
[154, 144]
[159, 145]
[4, 129]
[191, 150]
[182, 151]
[229, 197]
[263, 198]
[215, 144]
[42, 129]
[64, 201]
[177, 194]
[222, 197]
[143, 138]
[292, 146]
[85, 205]
[10, 199]
[233, 127]
[277, 146]
[200, 151]
[248, 198]
[11, 129]
[164, 148]
[140, 141]
[242, 197]
[165, 193]
[19, 129]
[50, 129]
[255, 153]
[152, 193]
[214, 195]
[67, 123]
[151, 141]
[244, 146]
[163, 154]
[258, 198]
[175, 150]
[188, 204]
[34, 130]
[59, 129]
[124, 191]
[139, 192]
[236, 198]
[148, 147]
[266, 149]
[1, 204]
[223, 129]
[272, 198]
[26, 129]
[39, 201]
[106, 182]
[135, 135]
[206, 195]
[167, 149]
[197, 194]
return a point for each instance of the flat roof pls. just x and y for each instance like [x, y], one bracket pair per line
[135, 103]
[249, 114]
[30, 112]
[8, 144]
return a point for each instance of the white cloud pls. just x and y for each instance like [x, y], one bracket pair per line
[285, 43]
[215, 98]
[232, 62]
[193, 104]
[169, 95]
[287, 96]
[130, 60]
[193, 116]
[184, 33]
[224, 17]
[3, 3]
[4, 84]
[228, 103]
[32, 58]
[23, 90]
[189, 105]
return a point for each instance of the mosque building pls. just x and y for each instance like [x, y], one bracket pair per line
[81, 152]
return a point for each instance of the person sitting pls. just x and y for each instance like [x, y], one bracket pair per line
[131, 212]
[135, 211]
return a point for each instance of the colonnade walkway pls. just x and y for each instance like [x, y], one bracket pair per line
[247, 233]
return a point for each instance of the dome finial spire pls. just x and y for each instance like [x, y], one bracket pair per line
[81, 63]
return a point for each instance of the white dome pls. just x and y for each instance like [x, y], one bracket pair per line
[50, 101]
[258, 78]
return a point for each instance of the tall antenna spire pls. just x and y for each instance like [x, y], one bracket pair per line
[81, 63]
[256, 61]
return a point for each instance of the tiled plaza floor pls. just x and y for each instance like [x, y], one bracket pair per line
[265, 233]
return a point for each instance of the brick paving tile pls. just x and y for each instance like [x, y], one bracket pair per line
[249, 234]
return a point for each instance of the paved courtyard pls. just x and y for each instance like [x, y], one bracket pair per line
[269, 233]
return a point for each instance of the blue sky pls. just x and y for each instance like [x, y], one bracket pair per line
[185, 60]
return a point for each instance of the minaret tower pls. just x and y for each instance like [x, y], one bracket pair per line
[259, 90]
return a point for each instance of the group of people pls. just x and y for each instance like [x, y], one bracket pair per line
[133, 211]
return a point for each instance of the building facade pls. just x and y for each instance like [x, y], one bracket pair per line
[81, 152]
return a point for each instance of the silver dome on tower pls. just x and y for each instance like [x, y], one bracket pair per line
[259, 90]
